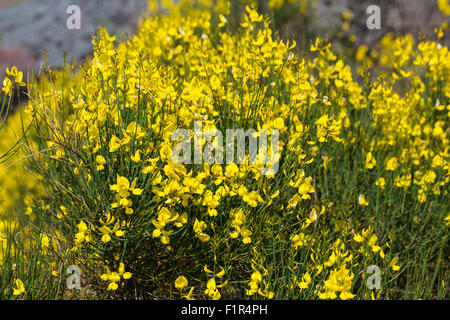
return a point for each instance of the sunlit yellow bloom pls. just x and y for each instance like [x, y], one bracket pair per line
[181, 282]
[20, 288]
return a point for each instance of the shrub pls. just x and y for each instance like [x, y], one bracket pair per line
[362, 173]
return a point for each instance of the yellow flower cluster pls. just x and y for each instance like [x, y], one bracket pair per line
[360, 163]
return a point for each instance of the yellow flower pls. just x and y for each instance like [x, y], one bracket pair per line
[438, 161]
[223, 20]
[82, 234]
[136, 158]
[362, 201]
[392, 164]
[45, 241]
[358, 238]
[306, 281]
[181, 282]
[189, 295]
[17, 75]
[113, 286]
[394, 265]
[114, 144]
[122, 273]
[381, 183]
[370, 161]
[7, 86]
[20, 288]
[211, 289]
[101, 162]
[345, 295]
[199, 228]
[444, 6]
[447, 220]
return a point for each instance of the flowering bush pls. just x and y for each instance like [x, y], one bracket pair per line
[362, 179]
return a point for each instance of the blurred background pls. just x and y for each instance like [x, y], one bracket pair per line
[34, 29]
[28, 27]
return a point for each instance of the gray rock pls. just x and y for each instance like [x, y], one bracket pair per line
[397, 16]
[30, 26]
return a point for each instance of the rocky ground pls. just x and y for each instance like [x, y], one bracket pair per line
[398, 16]
[27, 27]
